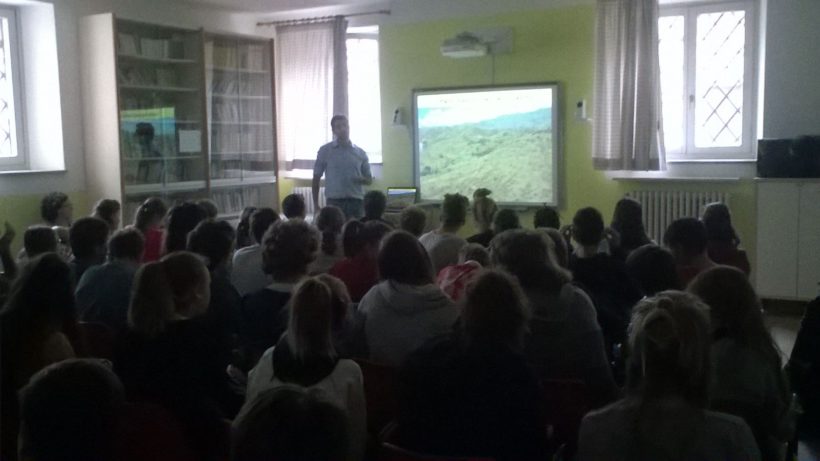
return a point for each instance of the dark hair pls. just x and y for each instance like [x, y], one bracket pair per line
[688, 234]
[547, 217]
[627, 220]
[329, 222]
[209, 207]
[260, 222]
[588, 226]
[87, 235]
[525, 254]
[127, 243]
[357, 235]
[495, 311]
[413, 219]
[718, 222]
[454, 210]
[403, 259]
[290, 423]
[69, 410]
[244, 237]
[38, 240]
[293, 206]
[335, 119]
[484, 208]
[212, 239]
[105, 209]
[474, 252]
[375, 202]
[288, 248]
[654, 269]
[182, 219]
[51, 204]
[506, 219]
[151, 209]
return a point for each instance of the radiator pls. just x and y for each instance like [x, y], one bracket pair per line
[660, 208]
[307, 194]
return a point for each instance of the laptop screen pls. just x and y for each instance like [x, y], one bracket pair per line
[399, 198]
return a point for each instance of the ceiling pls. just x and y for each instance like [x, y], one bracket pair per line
[278, 6]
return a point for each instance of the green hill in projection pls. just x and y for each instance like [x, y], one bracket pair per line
[511, 155]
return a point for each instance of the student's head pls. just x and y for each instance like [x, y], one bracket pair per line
[687, 239]
[669, 348]
[173, 288]
[403, 259]
[126, 244]
[243, 229]
[718, 222]
[375, 202]
[454, 210]
[311, 320]
[293, 206]
[181, 220]
[653, 268]
[291, 423]
[525, 254]
[359, 238]
[588, 227]
[69, 411]
[260, 222]
[495, 311]
[340, 300]
[484, 208]
[558, 245]
[330, 221]
[474, 252]
[56, 209]
[627, 220]
[288, 247]
[38, 240]
[209, 207]
[505, 220]
[413, 219]
[340, 127]
[109, 211]
[547, 217]
[214, 240]
[88, 237]
[150, 214]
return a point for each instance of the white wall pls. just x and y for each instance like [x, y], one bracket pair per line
[791, 104]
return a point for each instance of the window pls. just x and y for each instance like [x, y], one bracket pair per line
[364, 96]
[707, 80]
[12, 153]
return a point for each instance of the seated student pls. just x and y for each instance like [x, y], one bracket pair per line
[664, 415]
[248, 274]
[688, 241]
[37, 328]
[305, 356]
[57, 212]
[38, 240]
[209, 207]
[290, 423]
[244, 237]
[293, 207]
[747, 376]
[69, 411]
[359, 269]
[653, 269]
[9, 266]
[329, 221]
[148, 220]
[169, 356]
[104, 292]
[505, 220]
[453, 280]
[442, 244]
[565, 340]
[723, 241]
[627, 221]
[182, 219]
[484, 209]
[603, 277]
[413, 220]
[375, 202]
[546, 217]
[406, 308]
[472, 393]
[88, 237]
[109, 211]
[804, 373]
[288, 248]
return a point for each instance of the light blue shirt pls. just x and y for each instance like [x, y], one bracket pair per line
[343, 163]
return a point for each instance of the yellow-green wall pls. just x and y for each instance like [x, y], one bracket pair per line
[22, 211]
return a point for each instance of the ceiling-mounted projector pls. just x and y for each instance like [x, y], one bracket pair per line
[464, 45]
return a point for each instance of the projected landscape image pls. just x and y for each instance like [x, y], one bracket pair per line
[499, 139]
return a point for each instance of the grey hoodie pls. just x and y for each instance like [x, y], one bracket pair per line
[399, 318]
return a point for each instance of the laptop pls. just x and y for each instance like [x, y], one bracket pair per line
[399, 198]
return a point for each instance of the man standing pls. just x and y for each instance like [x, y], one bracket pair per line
[347, 168]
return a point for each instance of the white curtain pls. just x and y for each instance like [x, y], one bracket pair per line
[311, 87]
[627, 125]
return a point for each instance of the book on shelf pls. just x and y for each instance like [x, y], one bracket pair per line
[127, 44]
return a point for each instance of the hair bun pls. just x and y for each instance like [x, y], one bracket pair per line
[482, 193]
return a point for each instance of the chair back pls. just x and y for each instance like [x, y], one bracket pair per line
[148, 432]
[380, 391]
[390, 452]
[97, 340]
[566, 402]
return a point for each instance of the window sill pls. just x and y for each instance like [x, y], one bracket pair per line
[620, 176]
[27, 172]
[711, 160]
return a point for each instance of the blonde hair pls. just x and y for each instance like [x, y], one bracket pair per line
[311, 320]
[484, 208]
[165, 291]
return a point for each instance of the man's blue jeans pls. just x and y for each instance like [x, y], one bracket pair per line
[353, 208]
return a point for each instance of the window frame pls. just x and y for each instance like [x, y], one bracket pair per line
[21, 160]
[369, 33]
[690, 12]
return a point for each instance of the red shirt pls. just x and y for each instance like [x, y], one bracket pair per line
[359, 274]
[453, 280]
[153, 245]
